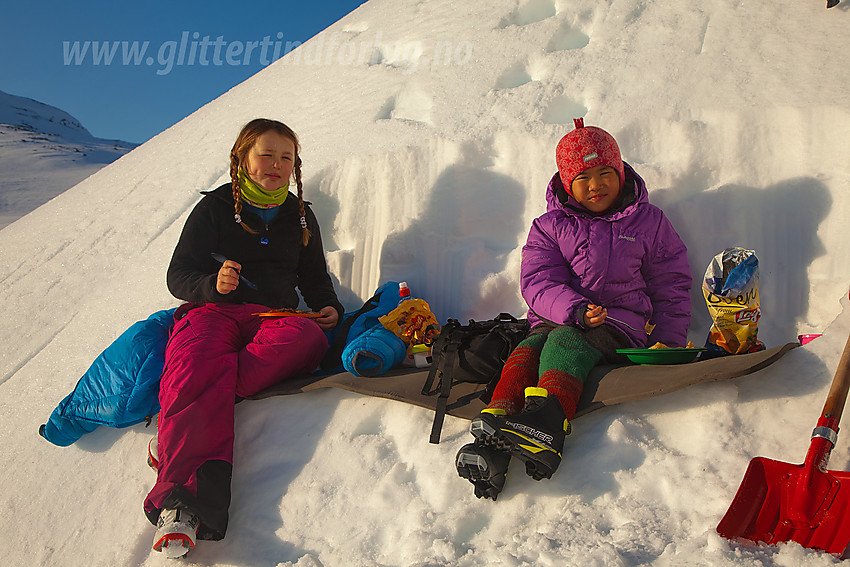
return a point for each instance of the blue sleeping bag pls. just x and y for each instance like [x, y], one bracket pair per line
[356, 323]
[368, 348]
[120, 388]
[374, 352]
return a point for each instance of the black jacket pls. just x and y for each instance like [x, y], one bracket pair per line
[274, 259]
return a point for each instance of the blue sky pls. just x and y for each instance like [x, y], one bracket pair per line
[154, 62]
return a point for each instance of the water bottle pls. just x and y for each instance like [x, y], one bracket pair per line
[403, 292]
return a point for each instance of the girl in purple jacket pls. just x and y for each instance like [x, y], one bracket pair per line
[602, 269]
[245, 248]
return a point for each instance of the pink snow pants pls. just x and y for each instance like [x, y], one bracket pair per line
[216, 352]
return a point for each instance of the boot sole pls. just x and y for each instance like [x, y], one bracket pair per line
[487, 480]
[153, 462]
[174, 545]
[175, 537]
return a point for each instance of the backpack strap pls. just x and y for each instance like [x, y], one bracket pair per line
[449, 358]
[445, 338]
[429, 381]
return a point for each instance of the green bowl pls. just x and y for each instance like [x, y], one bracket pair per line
[660, 355]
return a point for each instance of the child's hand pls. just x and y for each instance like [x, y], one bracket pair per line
[328, 319]
[228, 277]
[595, 315]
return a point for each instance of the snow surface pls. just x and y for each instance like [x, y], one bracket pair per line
[43, 152]
[736, 114]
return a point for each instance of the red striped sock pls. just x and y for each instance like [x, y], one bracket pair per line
[519, 372]
[566, 387]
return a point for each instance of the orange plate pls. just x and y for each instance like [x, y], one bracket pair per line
[277, 313]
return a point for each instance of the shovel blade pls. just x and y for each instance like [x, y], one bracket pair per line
[779, 502]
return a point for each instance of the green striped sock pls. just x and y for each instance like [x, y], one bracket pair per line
[565, 361]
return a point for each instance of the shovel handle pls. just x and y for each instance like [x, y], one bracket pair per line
[837, 396]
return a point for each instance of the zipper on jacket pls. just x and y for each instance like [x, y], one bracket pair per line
[561, 325]
[621, 322]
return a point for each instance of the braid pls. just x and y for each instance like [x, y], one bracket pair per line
[305, 232]
[237, 192]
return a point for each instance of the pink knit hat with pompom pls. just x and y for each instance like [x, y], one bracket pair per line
[586, 147]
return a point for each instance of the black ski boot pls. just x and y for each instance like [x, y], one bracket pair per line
[535, 435]
[484, 467]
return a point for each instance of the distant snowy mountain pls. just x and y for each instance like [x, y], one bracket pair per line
[43, 152]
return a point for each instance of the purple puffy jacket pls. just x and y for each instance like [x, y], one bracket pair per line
[632, 262]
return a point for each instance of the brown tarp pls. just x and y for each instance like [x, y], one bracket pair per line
[606, 385]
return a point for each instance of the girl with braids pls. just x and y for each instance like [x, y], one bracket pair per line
[219, 350]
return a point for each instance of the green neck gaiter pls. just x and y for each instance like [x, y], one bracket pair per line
[259, 197]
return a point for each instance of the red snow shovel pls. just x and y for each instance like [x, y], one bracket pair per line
[779, 502]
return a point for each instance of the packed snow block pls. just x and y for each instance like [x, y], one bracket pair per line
[373, 352]
[120, 388]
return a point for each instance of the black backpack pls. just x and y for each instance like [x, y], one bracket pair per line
[470, 353]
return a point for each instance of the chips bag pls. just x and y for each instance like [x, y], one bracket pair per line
[731, 291]
[413, 322]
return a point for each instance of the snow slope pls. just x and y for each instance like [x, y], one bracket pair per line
[43, 152]
[429, 167]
